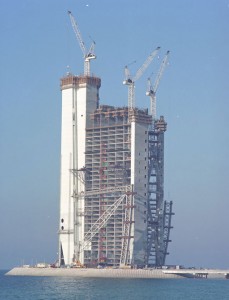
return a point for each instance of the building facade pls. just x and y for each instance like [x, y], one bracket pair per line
[112, 208]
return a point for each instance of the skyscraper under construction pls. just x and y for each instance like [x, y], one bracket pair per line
[112, 207]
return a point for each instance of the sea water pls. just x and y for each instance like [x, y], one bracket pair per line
[73, 288]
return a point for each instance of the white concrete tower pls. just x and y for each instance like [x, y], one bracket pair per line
[80, 97]
[140, 121]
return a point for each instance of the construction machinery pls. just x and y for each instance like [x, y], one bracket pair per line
[88, 55]
[152, 89]
[159, 211]
[104, 218]
[130, 82]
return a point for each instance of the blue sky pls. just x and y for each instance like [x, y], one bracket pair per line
[37, 45]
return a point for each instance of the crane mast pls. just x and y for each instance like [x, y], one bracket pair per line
[152, 96]
[130, 82]
[151, 90]
[88, 55]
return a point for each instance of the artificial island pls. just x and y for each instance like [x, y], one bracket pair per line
[114, 220]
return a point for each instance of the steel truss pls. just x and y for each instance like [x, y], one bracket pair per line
[101, 222]
[127, 229]
[159, 211]
[106, 215]
[167, 224]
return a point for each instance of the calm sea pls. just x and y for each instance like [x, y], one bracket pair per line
[55, 288]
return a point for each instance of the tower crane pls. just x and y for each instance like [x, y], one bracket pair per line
[130, 82]
[151, 90]
[88, 55]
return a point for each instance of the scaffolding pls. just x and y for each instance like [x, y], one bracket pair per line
[108, 162]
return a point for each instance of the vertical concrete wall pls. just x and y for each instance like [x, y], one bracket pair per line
[86, 103]
[66, 178]
[79, 100]
[139, 178]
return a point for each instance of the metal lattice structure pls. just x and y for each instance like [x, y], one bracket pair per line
[159, 211]
[127, 226]
[108, 159]
[152, 89]
[101, 222]
[88, 54]
[168, 213]
[130, 82]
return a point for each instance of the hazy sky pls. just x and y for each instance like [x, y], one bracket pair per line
[37, 45]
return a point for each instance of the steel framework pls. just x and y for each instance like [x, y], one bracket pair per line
[159, 211]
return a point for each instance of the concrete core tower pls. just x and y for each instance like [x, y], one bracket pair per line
[80, 97]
